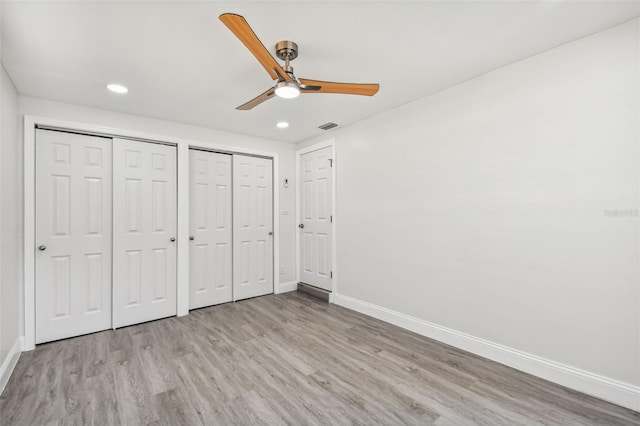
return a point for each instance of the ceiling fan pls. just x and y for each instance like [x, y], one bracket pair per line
[287, 85]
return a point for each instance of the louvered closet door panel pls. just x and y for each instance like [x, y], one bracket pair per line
[144, 223]
[73, 230]
[210, 223]
[252, 226]
[315, 215]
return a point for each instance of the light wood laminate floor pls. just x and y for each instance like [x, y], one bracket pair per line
[286, 359]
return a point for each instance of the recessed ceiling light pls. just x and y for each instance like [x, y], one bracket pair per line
[117, 88]
[282, 125]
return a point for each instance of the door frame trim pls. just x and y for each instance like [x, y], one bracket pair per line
[31, 122]
[299, 153]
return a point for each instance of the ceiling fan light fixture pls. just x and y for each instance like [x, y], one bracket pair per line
[287, 90]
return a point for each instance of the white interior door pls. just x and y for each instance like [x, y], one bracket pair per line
[73, 235]
[210, 223]
[252, 226]
[144, 231]
[315, 218]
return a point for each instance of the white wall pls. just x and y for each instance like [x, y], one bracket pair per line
[10, 231]
[483, 208]
[285, 151]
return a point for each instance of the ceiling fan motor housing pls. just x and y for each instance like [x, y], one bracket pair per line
[286, 49]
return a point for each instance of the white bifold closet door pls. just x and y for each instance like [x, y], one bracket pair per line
[73, 234]
[144, 231]
[315, 216]
[210, 223]
[252, 226]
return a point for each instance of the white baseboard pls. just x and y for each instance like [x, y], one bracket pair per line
[288, 286]
[9, 363]
[614, 391]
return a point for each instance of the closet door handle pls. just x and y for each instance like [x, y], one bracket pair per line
[172, 239]
[42, 248]
[270, 232]
[192, 238]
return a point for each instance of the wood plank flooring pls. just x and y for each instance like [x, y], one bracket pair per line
[286, 359]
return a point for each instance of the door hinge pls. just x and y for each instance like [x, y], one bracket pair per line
[330, 162]
[331, 274]
[331, 218]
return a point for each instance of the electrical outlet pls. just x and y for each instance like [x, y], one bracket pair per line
[282, 269]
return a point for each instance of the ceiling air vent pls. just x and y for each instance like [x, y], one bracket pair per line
[327, 126]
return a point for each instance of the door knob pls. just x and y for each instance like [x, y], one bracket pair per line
[301, 226]
[270, 232]
[42, 248]
[192, 238]
[172, 239]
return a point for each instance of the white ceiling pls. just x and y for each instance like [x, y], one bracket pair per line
[182, 64]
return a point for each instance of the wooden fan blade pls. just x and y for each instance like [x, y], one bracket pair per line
[344, 88]
[239, 26]
[258, 100]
